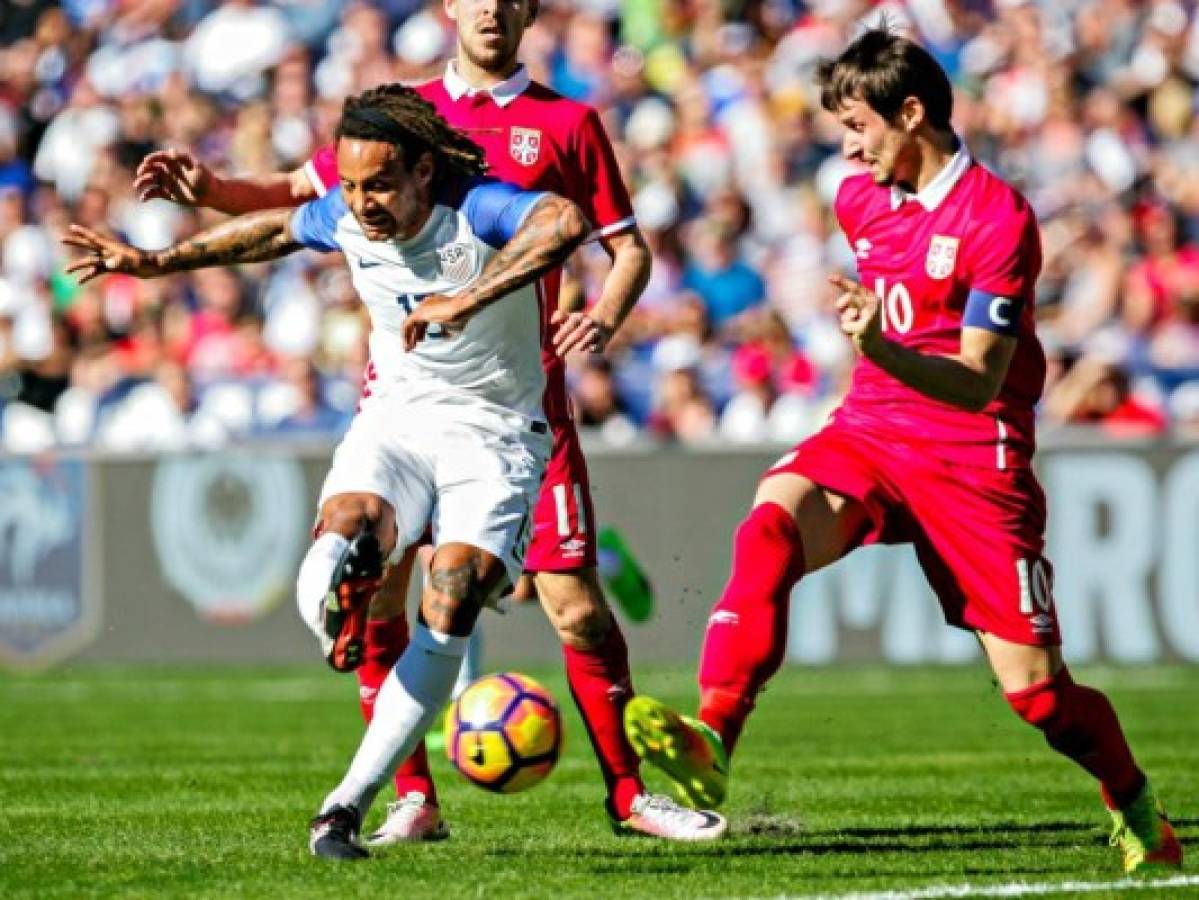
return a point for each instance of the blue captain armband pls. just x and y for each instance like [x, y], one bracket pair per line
[994, 312]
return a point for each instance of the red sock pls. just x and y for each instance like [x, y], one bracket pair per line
[386, 640]
[601, 686]
[1079, 722]
[747, 631]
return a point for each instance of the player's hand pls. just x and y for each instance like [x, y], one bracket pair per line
[102, 255]
[578, 331]
[860, 313]
[173, 175]
[436, 309]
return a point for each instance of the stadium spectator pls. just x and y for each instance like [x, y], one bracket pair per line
[311, 416]
[1087, 108]
[599, 409]
[1096, 392]
[727, 284]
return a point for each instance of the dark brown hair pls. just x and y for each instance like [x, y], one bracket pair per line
[883, 69]
[395, 114]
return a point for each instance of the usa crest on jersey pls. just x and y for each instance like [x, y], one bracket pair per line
[456, 262]
[942, 254]
[524, 144]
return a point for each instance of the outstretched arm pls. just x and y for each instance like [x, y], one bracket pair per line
[590, 331]
[180, 177]
[246, 239]
[550, 232]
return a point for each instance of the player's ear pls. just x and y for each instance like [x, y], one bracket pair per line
[531, 14]
[451, 9]
[424, 169]
[911, 114]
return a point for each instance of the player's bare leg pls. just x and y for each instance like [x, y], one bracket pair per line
[462, 577]
[341, 572]
[1079, 722]
[525, 590]
[794, 527]
[597, 668]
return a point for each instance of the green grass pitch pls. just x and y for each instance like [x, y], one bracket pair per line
[199, 783]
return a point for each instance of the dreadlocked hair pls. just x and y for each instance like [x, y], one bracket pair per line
[396, 114]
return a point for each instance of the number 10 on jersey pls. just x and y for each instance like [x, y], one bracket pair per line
[895, 304]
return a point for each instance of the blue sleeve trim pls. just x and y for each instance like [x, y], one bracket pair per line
[994, 312]
[497, 209]
[315, 223]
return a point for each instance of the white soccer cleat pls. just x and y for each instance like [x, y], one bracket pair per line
[411, 818]
[656, 815]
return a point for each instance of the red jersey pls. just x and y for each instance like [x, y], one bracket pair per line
[539, 140]
[967, 235]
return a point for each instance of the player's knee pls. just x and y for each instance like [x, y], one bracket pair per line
[582, 623]
[464, 574]
[345, 515]
[1044, 705]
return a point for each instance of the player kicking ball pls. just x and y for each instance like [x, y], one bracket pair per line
[539, 140]
[453, 435]
[932, 446]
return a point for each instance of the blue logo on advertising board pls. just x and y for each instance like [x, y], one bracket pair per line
[45, 610]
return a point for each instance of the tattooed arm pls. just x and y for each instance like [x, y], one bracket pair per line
[550, 232]
[256, 237]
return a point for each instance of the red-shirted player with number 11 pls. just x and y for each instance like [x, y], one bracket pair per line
[933, 446]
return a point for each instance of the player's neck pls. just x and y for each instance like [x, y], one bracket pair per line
[481, 79]
[936, 152]
[417, 226]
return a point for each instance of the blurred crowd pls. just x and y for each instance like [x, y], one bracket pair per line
[1088, 106]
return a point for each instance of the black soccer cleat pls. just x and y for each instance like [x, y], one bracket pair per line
[347, 605]
[334, 835]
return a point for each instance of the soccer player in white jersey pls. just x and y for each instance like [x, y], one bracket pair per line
[454, 435]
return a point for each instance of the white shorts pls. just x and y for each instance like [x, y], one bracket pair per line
[475, 480]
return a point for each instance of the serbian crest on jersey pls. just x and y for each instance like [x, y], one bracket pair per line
[524, 144]
[942, 254]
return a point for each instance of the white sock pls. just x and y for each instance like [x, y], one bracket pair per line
[316, 572]
[472, 663]
[407, 705]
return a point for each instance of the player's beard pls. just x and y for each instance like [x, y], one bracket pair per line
[494, 53]
[498, 62]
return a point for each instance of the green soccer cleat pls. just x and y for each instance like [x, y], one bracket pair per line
[1145, 836]
[690, 753]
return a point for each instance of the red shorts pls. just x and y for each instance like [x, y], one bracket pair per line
[564, 518]
[978, 532]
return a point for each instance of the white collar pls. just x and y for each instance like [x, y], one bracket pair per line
[503, 93]
[935, 192]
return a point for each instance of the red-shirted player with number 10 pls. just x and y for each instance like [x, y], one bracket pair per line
[932, 446]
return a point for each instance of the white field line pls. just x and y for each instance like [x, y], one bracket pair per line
[1018, 889]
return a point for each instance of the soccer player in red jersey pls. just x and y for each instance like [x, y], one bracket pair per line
[538, 140]
[932, 446]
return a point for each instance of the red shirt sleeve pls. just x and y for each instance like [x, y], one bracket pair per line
[846, 205]
[321, 170]
[1006, 252]
[596, 184]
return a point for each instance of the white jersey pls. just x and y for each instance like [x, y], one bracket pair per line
[495, 361]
